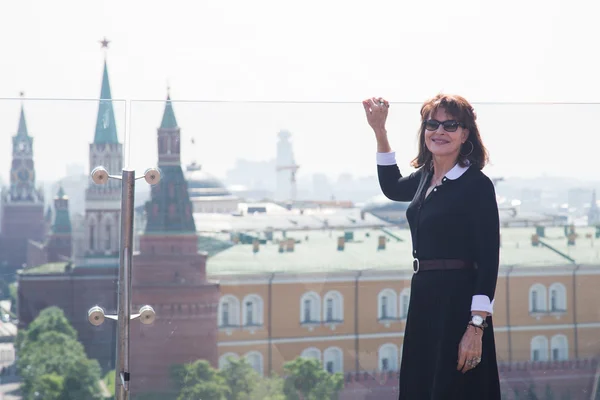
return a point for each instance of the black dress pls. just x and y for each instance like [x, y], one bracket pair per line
[459, 220]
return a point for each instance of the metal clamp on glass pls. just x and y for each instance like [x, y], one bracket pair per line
[416, 265]
[96, 315]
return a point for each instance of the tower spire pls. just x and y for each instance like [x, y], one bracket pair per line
[168, 120]
[106, 128]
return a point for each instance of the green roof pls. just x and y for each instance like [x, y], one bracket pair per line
[168, 120]
[22, 130]
[319, 253]
[44, 269]
[106, 128]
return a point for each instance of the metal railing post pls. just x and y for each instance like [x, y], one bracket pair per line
[96, 314]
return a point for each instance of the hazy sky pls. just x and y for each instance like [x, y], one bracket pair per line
[326, 52]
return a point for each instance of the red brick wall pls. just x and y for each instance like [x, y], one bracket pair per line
[20, 223]
[185, 330]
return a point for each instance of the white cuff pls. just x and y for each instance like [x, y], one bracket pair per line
[481, 302]
[386, 158]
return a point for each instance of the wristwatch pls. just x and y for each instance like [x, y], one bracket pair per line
[478, 321]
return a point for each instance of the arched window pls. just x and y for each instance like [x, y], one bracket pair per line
[333, 360]
[386, 304]
[225, 359]
[404, 302]
[255, 359]
[537, 298]
[312, 352]
[539, 348]
[92, 235]
[229, 311]
[558, 297]
[388, 357]
[252, 313]
[560, 348]
[310, 308]
[333, 307]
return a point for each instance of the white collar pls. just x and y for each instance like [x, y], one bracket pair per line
[457, 171]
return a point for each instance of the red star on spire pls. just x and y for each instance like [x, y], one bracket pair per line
[104, 42]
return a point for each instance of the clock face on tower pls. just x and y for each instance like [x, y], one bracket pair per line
[22, 147]
[23, 174]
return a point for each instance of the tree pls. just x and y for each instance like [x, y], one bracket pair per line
[240, 378]
[307, 380]
[270, 388]
[51, 361]
[198, 380]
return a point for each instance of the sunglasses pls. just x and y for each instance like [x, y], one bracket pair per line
[449, 126]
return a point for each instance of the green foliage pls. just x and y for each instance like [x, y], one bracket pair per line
[198, 380]
[109, 381]
[305, 380]
[53, 362]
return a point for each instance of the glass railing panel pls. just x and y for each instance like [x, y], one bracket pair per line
[59, 245]
[297, 256]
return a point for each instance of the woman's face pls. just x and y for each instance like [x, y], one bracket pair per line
[444, 140]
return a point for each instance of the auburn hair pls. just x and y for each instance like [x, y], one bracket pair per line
[461, 110]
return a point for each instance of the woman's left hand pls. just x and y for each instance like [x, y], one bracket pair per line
[469, 349]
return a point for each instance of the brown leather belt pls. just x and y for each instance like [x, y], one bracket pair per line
[431, 265]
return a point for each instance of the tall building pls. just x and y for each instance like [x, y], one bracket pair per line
[22, 203]
[285, 168]
[170, 274]
[103, 202]
[594, 212]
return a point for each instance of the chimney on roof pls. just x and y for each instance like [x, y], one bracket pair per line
[571, 239]
[340, 243]
[540, 231]
[362, 215]
[290, 245]
[255, 246]
[381, 243]
[281, 246]
[535, 240]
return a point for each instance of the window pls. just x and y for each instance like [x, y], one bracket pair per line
[560, 348]
[307, 307]
[312, 352]
[107, 243]
[92, 238]
[333, 360]
[310, 305]
[404, 302]
[537, 298]
[253, 310]
[249, 314]
[225, 359]
[255, 359]
[333, 307]
[229, 311]
[539, 348]
[388, 357]
[386, 304]
[558, 297]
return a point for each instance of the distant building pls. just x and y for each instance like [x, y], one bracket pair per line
[21, 204]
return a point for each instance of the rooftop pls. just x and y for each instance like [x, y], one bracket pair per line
[316, 251]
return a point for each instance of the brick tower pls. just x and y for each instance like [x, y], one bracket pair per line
[170, 274]
[59, 246]
[22, 204]
[103, 202]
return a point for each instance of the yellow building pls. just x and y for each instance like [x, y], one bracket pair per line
[342, 297]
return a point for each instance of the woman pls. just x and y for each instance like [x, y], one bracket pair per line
[449, 350]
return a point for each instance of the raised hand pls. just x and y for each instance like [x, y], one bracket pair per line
[377, 112]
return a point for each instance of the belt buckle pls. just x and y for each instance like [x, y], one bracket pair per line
[416, 265]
